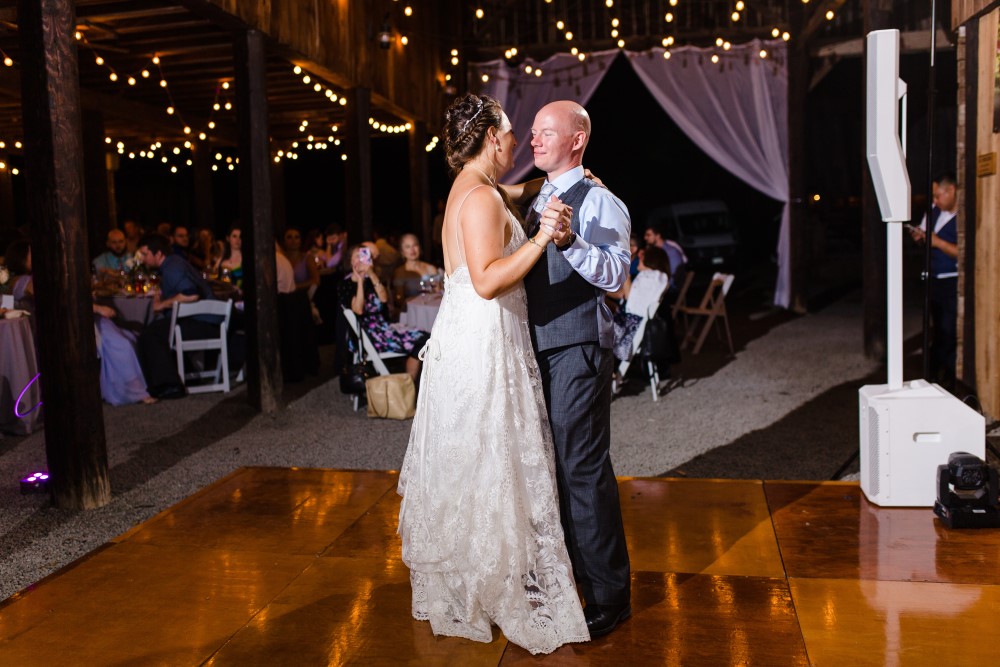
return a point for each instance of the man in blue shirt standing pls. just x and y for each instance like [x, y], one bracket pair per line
[572, 334]
[943, 277]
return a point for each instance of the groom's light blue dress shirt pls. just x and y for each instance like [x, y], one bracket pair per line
[600, 253]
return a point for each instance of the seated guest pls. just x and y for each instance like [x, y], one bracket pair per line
[231, 260]
[18, 260]
[365, 294]
[179, 282]
[633, 247]
[640, 294]
[133, 232]
[122, 381]
[329, 250]
[121, 376]
[407, 277]
[326, 298]
[338, 258]
[306, 273]
[285, 272]
[387, 257]
[200, 251]
[181, 242]
[165, 229]
[112, 260]
[655, 236]
[296, 328]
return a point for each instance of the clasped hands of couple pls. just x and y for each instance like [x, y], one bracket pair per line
[554, 224]
[556, 218]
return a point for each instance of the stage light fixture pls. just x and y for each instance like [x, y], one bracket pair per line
[968, 494]
[36, 482]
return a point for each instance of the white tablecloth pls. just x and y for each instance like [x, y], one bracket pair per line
[18, 367]
[421, 311]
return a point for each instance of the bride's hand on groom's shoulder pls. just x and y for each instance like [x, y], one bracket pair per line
[592, 176]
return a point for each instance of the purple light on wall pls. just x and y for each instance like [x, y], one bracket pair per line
[17, 404]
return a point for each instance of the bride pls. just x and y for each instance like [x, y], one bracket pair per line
[480, 513]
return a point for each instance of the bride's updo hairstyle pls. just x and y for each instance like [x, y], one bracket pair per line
[465, 124]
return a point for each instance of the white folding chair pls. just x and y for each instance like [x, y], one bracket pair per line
[371, 353]
[654, 372]
[220, 374]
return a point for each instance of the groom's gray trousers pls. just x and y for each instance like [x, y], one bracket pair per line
[567, 322]
[577, 384]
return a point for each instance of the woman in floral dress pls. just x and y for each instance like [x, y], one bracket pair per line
[364, 293]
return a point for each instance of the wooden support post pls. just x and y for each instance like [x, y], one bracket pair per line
[264, 382]
[95, 177]
[967, 215]
[877, 16]
[419, 202]
[204, 198]
[50, 100]
[357, 144]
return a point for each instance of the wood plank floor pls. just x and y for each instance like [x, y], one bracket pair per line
[301, 567]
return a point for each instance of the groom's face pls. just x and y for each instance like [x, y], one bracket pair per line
[552, 141]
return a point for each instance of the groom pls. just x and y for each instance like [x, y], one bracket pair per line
[572, 334]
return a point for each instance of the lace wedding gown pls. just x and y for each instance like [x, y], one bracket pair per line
[480, 513]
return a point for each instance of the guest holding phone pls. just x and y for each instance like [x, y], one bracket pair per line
[366, 295]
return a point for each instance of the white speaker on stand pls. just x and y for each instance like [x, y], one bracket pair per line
[906, 429]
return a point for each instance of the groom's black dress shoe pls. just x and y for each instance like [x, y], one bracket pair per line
[603, 618]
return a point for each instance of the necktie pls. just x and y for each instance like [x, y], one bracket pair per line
[538, 206]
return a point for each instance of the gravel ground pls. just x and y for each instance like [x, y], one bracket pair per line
[163, 453]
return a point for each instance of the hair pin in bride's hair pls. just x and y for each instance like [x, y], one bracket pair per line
[473, 117]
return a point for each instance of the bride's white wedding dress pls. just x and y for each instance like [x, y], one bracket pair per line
[480, 513]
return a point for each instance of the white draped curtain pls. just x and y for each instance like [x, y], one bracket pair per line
[522, 94]
[735, 110]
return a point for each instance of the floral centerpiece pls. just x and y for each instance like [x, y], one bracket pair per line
[134, 277]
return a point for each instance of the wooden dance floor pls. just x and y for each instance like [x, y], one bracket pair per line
[301, 567]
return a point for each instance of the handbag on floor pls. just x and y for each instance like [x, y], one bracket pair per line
[391, 396]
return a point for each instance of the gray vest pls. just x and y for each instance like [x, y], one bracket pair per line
[563, 308]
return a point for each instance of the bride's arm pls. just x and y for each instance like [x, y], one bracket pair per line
[483, 220]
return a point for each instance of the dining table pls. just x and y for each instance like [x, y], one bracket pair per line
[421, 311]
[20, 390]
[134, 310]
